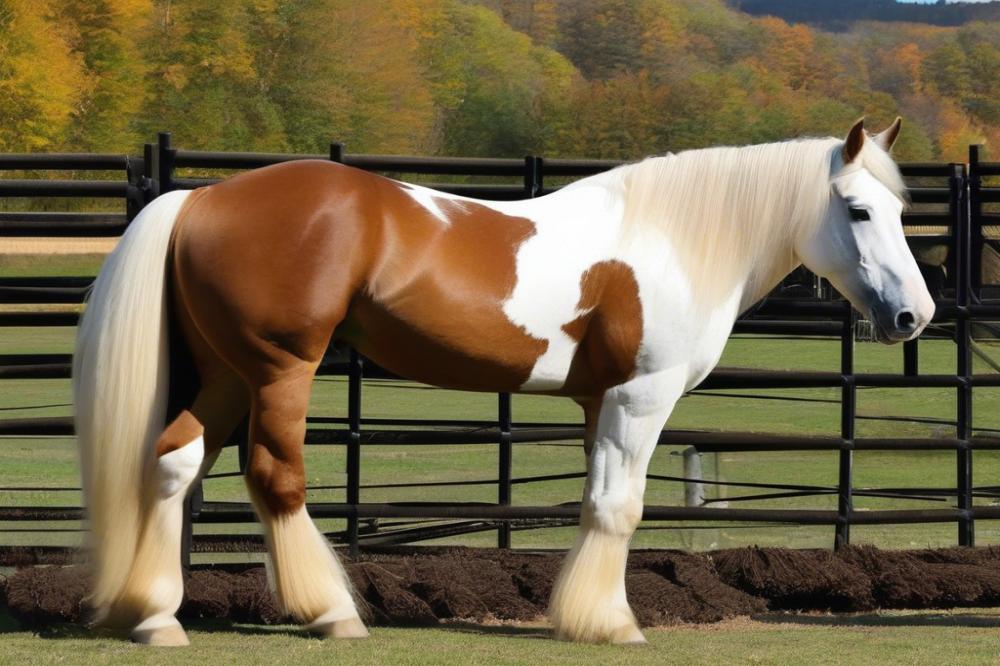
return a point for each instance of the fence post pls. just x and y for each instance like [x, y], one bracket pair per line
[975, 204]
[336, 152]
[532, 187]
[134, 195]
[355, 374]
[165, 156]
[962, 240]
[151, 186]
[505, 464]
[911, 357]
[848, 409]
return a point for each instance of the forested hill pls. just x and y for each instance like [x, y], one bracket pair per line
[597, 78]
[840, 13]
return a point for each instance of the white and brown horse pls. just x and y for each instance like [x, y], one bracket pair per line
[618, 291]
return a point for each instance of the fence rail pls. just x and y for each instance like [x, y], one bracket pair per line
[143, 178]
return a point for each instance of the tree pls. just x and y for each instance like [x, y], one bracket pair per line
[352, 72]
[41, 79]
[105, 35]
[203, 82]
[510, 87]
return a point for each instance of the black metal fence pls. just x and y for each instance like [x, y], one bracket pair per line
[959, 188]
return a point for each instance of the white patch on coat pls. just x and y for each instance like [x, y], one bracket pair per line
[176, 470]
[428, 199]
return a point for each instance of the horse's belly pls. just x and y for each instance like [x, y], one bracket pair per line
[469, 347]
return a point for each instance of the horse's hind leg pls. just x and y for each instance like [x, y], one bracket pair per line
[588, 600]
[309, 581]
[185, 451]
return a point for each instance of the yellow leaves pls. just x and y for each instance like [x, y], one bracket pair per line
[42, 79]
[176, 76]
[955, 132]
[621, 77]
[789, 49]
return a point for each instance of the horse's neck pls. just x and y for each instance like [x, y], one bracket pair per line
[601, 199]
[759, 283]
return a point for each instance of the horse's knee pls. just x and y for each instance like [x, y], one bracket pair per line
[177, 470]
[180, 451]
[614, 514]
[280, 487]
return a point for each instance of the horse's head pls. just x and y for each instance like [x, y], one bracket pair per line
[859, 244]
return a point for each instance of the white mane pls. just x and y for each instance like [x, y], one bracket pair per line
[735, 211]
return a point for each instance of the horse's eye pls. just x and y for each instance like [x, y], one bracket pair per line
[858, 214]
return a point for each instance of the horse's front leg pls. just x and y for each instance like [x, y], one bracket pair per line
[588, 601]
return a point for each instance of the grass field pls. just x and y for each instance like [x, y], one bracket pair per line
[965, 636]
[51, 461]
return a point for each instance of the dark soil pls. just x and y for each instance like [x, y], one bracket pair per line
[423, 586]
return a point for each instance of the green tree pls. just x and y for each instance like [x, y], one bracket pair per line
[203, 83]
[510, 88]
[41, 79]
[105, 34]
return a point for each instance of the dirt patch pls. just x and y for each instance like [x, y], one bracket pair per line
[422, 586]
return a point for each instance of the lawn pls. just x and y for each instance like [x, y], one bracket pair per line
[50, 462]
[965, 636]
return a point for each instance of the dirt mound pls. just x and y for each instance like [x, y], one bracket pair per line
[797, 579]
[422, 586]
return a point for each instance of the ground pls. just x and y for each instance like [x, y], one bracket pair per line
[962, 636]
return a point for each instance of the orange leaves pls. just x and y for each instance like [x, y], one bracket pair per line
[789, 50]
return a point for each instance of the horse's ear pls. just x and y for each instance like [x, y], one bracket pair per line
[887, 137]
[855, 139]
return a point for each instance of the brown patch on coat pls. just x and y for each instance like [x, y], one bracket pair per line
[433, 307]
[182, 431]
[609, 330]
[267, 264]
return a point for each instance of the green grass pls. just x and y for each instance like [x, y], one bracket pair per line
[956, 637]
[49, 265]
[51, 461]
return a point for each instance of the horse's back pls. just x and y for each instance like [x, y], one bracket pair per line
[269, 263]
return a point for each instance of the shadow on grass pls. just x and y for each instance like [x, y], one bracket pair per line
[68, 630]
[508, 630]
[915, 619]
[56, 630]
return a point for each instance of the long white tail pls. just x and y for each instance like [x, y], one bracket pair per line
[120, 384]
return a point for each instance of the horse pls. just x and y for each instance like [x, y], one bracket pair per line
[618, 291]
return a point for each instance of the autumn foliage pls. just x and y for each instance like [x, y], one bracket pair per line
[599, 78]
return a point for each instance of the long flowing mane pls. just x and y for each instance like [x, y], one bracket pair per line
[733, 212]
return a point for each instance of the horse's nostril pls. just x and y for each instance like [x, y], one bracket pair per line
[905, 321]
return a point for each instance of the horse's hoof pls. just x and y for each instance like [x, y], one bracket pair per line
[351, 627]
[627, 634]
[169, 636]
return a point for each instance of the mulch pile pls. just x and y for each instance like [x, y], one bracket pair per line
[427, 585]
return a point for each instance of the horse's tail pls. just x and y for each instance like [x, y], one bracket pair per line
[120, 384]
